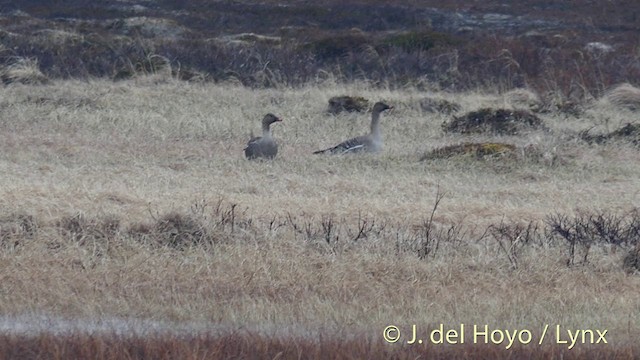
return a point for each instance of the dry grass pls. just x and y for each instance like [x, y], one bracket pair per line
[523, 98]
[476, 150]
[301, 245]
[624, 96]
[22, 70]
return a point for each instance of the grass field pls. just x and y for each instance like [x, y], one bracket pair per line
[132, 201]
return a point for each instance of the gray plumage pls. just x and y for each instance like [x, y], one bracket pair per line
[263, 146]
[371, 143]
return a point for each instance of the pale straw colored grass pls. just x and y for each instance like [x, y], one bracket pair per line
[135, 151]
[623, 96]
[23, 70]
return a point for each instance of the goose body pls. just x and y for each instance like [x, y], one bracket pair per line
[263, 146]
[371, 143]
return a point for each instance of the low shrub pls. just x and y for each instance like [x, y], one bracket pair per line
[413, 41]
[334, 47]
[629, 133]
[587, 229]
[495, 121]
[338, 104]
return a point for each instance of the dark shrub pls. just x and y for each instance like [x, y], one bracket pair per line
[335, 47]
[631, 262]
[476, 150]
[338, 104]
[629, 132]
[496, 121]
[413, 41]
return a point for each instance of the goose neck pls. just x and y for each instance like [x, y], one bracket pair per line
[266, 131]
[375, 125]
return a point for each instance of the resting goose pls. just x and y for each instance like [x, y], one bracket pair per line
[263, 146]
[367, 143]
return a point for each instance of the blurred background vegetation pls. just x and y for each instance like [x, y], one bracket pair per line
[577, 48]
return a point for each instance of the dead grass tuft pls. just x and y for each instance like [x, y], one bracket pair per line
[624, 95]
[180, 231]
[23, 71]
[631, 262]
[524, 99]
[495, 121]
[151, 65]
[628, 133]
[173, 230]
[435, 105]
[16, 228]
[200, 227]
[479, 151]
[80, 229]
[338, 104]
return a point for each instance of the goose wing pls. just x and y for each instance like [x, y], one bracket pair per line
[259, 147]
[356, 144]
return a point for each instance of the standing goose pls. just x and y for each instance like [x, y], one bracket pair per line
[263, 146]
[366, 143]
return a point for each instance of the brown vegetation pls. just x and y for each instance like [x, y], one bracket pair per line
[495, 121]
[628, 133]
[448, 46]
[338, 104]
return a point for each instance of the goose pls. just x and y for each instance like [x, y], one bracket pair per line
[263, 146]
[371, 143]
